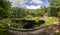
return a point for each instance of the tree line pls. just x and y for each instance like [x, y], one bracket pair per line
[7, 11]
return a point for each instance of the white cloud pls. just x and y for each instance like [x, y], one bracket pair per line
[15, 2]
[20, 2]
[37, 1]
[33, 7]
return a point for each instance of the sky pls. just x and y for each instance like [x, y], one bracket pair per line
[30, 4]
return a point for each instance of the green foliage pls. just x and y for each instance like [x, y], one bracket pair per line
[13, 24]
[16, 25]
[4, 8]
[36, 19]
[54, 8]
[29, 16]
[53, 11]
[19, 25]
[20, 12]
[2, 26]
[58, 14]
[40, 12]
[54, 2]
[7, 20]
[3, 29]
[49, 21]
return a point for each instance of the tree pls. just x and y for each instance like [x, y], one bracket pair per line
[54, 2]
[18, 12]
[5, 7]
[54, 8]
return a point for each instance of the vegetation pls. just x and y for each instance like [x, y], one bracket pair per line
[4, 12]
[4, 8]
[3, 29]
[7, 12]
[49, 21]
[19, 24]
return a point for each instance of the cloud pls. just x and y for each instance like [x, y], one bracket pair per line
[30, 4]
[16, 2]
[37, 1]
[34, 4]
[13, 2]
[33, 7]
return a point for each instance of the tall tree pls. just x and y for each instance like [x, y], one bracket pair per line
[54, 2]
[54, 8]
[5, 7]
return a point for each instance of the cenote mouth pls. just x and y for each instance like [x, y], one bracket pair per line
[28, 24]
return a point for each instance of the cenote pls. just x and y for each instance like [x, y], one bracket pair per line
[29, 24]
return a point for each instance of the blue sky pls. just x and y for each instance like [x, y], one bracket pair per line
[30, 4]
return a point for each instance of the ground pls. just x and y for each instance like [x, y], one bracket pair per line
[48, 30]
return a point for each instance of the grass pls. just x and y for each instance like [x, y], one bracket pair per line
[50, 21]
